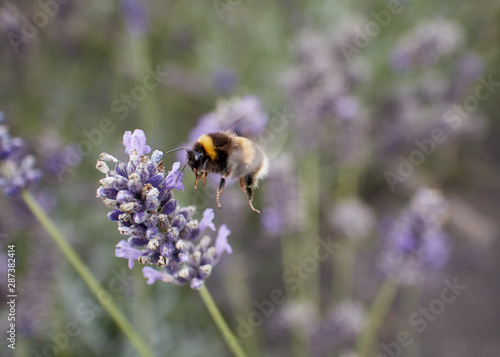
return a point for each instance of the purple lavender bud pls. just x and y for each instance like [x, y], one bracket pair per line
[169, 207]
[196, 283]
[121, 169]
[125, 196]
[179, 222]
[113, 215]
[151, 232]
[164, 195]
[107, 193]
[134, 183]
[156, 157]
[156, 180]
[172, 234]
[135, 141]
[137, 242]
[152, 202]
[139, 229]
[187, 212]
[140, 217]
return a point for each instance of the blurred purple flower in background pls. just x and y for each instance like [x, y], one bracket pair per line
[340, 326]
[224, 80]
[227, 115]
[415, 242]
[282, 213]
[353, 219]
[321, 88]
[162, 233]
[427, 44]
[17, 167]
[136, 17]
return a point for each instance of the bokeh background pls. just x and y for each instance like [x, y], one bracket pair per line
[349, 94]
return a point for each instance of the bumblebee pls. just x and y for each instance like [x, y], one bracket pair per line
[229, 155]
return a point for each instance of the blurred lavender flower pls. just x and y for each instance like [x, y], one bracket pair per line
[227, 114]
[281, 214]
[162, 233]
[340, 326]
[136, 17]
[320, 88]
[17, 169]
[298, 315]
[415, 243]
[353, 219]
[426, 44]
[224, 80]
[467, 71]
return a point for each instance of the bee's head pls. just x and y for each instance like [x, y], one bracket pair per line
[196, 158]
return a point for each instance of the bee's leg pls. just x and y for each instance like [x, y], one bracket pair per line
[204, 172]
[222, 184]
[249, 182]
[243, 186]
[205, 178]
[197, 179]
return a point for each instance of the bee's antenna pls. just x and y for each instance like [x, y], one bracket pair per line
[182, 169]
[174, 150]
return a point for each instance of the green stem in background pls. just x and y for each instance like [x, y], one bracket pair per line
[102, 295]
[289, 258]
[346, 186]
[230, 339]
[376, 316]
[240, 297]
[148, 108]
[343, 265]
[347, 182]
[310, 190]
[410, 301]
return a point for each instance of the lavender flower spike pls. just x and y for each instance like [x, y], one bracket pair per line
[18, 170]
[161, 233]
[415, 243]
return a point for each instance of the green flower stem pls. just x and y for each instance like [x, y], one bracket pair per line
[344, 263]
[410, 301]
[240, 298]
[310, 176]
[290, 257]
[346, 186]
[376, 316]
[230, 339]
[102, 295]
